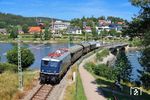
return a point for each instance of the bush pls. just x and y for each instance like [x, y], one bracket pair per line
[8, 67]
[100, 55]
[26, 56]
[146, 80]
[105, 71]
[89, 66]
[101, 70]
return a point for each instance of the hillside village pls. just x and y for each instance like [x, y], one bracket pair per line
[57, 28]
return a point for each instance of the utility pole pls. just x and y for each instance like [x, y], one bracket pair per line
[53, 30]
[20, 74]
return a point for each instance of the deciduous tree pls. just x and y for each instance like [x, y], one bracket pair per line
[26, 56]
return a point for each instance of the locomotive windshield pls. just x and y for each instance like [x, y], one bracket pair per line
[53, 63]
[50, 63]
[46, 62]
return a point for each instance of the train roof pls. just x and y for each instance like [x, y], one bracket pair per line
[85, 44]
[75, 48]
[92, 42]
[58, 55]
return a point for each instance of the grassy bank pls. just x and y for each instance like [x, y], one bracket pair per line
[101, 54]
[75, 90]
[108, 87]
[9, 84]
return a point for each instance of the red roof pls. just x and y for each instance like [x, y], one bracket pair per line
[87, 28]
[120, 23]
[54, 54]
[58, 52]
[35, 29]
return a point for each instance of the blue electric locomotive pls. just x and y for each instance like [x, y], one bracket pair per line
[54, 66]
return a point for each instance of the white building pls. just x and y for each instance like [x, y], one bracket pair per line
[102, 28]
[3, 31]
[59, 25]
[74, 30]
[88, 29]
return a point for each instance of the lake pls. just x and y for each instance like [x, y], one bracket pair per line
[133, 57]
[42, 50]
[39, 51]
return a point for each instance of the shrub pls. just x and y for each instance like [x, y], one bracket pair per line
[101, 70]
[89, 66]
[26, 56]
[146, 80]
[7, 67]
[105, 71]
[100, 55]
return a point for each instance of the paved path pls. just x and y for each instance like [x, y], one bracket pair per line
[90, 87]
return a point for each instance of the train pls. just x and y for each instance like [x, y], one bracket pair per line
[56, 64]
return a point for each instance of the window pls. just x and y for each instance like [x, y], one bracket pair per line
[53, 64]
[46, 63]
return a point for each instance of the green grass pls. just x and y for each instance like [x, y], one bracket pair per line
[75, 90]
[107, 84]
[80, 95]
[125, 93]
[9, 84]
[101, 54]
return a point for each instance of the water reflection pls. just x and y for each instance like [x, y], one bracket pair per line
[133, 57]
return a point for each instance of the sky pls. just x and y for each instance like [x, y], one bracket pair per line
[69, 9]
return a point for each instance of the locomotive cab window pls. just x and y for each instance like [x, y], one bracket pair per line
[53, 63]
[46, 63]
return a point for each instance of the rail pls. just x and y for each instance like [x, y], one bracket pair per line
[42, 93]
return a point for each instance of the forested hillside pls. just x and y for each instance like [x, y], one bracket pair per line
[11, 19]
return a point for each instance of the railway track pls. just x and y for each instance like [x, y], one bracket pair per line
[43, 92]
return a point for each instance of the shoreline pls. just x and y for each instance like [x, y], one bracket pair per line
[134, 48]
[41, 42]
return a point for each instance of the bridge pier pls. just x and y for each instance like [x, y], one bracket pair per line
[120, 48]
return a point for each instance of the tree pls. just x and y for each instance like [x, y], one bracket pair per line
[112, 32]
[25, 28]
[13, 32]
[2, 24]
[94, 33]
[146, 80]
[123, 66]
[47, 34]
[101, 18]
[144, 27]
[26, 56]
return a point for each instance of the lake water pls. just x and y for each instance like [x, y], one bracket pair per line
[133, 57]
[39, 51]
[42, 50]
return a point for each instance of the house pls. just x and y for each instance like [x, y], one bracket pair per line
[102, 28]
[3, 31]
[20, 32]
[74, 30]
[104, 22]
[116, 27]
[120, 23]
[35, 29]
[88, 29]
[59, 25]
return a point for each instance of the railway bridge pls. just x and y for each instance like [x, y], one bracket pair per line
[118, 47]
